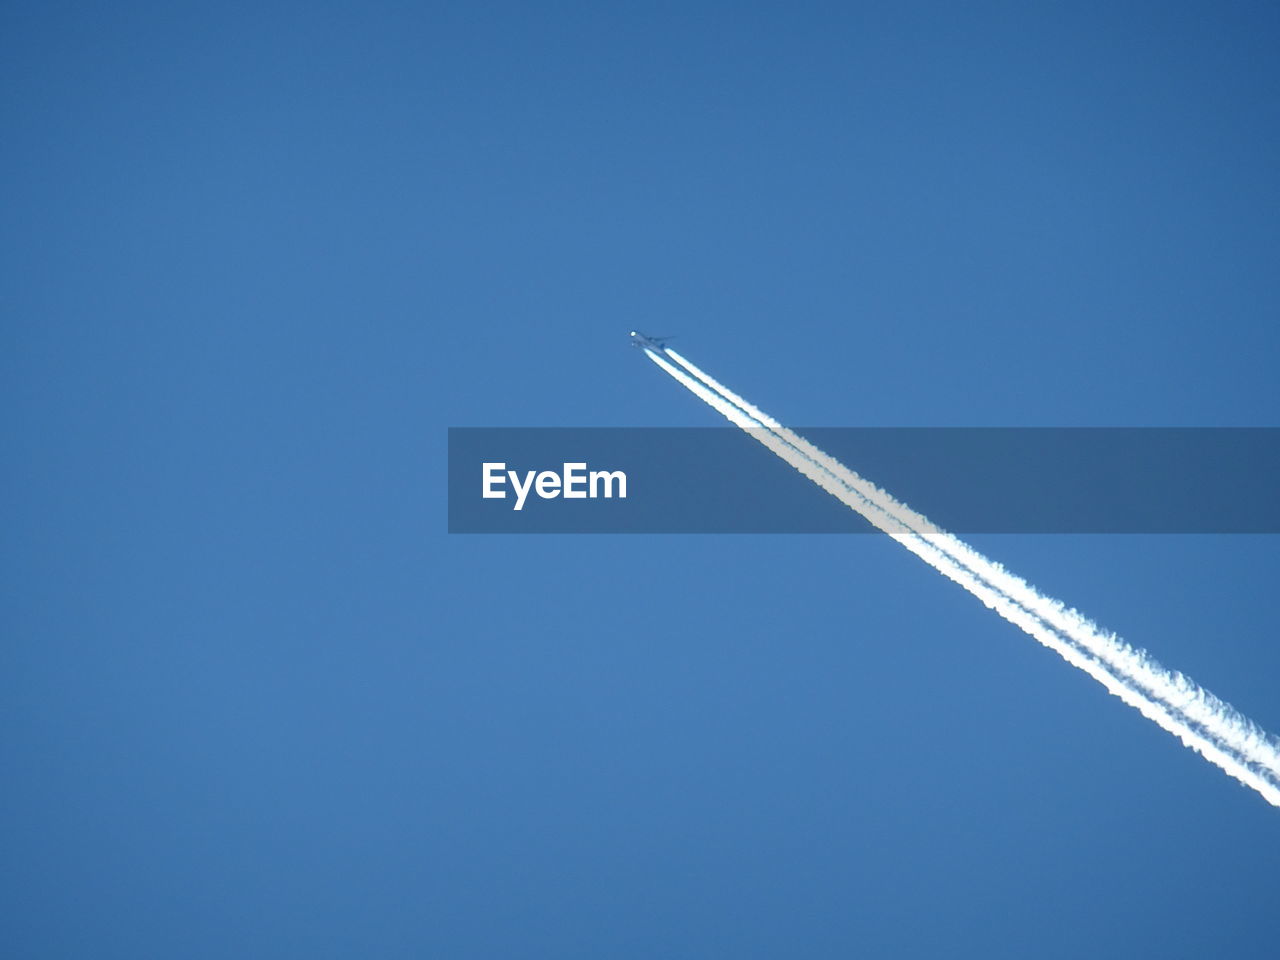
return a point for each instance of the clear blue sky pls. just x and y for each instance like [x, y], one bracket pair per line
[255, 258]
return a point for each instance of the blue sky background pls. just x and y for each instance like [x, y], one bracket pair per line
[256, 259]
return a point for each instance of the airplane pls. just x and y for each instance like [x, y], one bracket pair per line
[658, 344]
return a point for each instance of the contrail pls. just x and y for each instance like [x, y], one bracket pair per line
[1174, 702]
[1200, 706]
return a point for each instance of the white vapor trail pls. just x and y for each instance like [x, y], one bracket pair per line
[1196, 717]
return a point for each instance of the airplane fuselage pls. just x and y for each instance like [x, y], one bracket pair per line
[646, 342]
